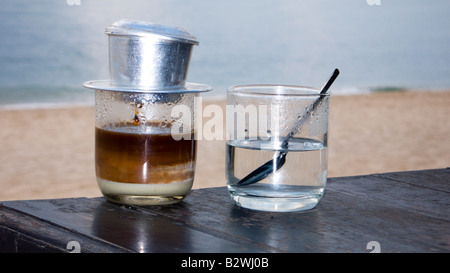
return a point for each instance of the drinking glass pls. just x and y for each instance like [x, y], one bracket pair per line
[145, 147]
[259, 118]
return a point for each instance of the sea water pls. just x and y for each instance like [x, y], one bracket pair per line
[298, 185]
[43, 68]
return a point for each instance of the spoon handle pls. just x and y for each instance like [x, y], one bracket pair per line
[330, 81]
[302, 119]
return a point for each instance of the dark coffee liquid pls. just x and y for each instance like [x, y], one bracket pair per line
[126, 155]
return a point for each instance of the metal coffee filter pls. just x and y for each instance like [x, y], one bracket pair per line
[147, 57]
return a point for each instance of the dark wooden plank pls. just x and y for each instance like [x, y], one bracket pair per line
[395, 192]
[437, 179]
[130, 228]
[20, 232]
[212, 211]
[12, 241]
[338, 224]
[374, 206]
[401, 216]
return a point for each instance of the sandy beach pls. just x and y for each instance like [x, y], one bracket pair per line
[49, 153]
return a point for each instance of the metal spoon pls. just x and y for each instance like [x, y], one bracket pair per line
[278, 161]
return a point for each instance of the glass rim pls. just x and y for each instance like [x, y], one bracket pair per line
[275, 90]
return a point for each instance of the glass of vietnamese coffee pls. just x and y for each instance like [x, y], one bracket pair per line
[144, 152]
[145, 115]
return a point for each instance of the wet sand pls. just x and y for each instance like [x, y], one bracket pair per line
[49, 153]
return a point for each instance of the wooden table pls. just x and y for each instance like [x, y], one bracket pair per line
[391, 212]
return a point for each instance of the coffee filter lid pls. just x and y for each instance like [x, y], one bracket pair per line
[126, 27]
